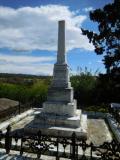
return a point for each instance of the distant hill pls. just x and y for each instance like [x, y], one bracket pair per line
[22, 78]
[9, 75]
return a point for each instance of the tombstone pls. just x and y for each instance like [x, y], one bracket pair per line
[60, 116]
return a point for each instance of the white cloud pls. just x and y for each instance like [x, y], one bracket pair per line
[26, 64]
[30, 28]
[41, 69]
[25, 59]
[88, 9]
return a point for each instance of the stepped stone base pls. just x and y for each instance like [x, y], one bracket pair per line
[51, 124]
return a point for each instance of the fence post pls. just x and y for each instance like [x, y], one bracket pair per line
[39, 143]
[91, 150]
[73, 146]
[8, 140]
[57, 153]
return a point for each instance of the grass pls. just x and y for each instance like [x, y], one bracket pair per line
[96, 108]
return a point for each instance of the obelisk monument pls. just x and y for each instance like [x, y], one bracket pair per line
[60, 95]
[59, 115]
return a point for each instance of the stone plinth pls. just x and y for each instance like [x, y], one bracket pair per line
[59, 108]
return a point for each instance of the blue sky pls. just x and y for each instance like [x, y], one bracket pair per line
[28, 35]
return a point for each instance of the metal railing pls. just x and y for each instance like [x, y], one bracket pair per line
[67, 147]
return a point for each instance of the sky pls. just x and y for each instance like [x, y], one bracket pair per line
[29, 32]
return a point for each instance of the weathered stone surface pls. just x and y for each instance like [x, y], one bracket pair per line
[15, 119]
[60, 95]
[61, 76]
[114, 127]
[58, 120]
[59, 125]
[59, 108]
[98, 131]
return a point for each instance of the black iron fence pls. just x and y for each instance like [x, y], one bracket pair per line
[71, 148]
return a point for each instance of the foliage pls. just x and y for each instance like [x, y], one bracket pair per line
[107, 40]
[96, 108]
[108, 89]
[8, 90]
[84, 85]
[36, 93]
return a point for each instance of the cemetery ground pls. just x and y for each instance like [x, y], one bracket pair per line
[98, 132]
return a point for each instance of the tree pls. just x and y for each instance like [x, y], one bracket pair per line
[107, 40]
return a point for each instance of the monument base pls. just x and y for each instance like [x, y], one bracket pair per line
[59, 108]
[55, 125]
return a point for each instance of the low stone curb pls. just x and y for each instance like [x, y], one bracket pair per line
[114, 127]
[15, 119]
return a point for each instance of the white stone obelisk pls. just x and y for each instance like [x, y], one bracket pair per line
[60, 95]
[59, 115]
